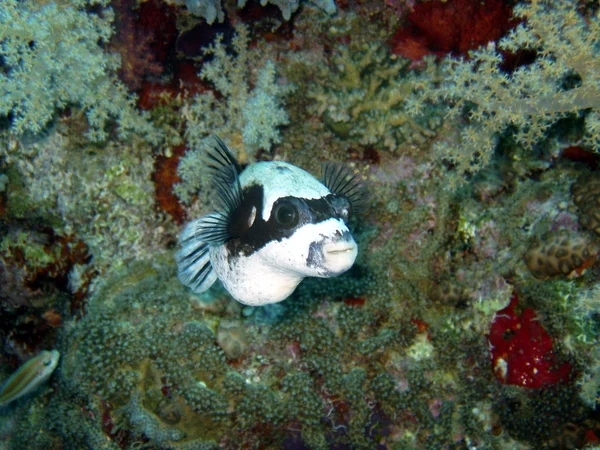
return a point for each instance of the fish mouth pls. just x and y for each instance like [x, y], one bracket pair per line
[339, 256]
[338, 248]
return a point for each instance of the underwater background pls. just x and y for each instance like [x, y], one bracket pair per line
[471, 317]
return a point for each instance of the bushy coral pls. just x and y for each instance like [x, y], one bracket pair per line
[262, 114]
[212, 10]
[366, 94]
[589, 382]
[53, 59]
[246, 110]
[105, 198]
[562, 80]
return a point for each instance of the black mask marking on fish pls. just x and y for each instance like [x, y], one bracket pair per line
[288, 214]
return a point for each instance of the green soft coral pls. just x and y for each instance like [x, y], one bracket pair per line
[366, 94]
[562, 81]
[52, 58]
[106, 198]
[247, 115]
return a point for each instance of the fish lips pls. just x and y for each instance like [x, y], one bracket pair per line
[333, 255]
[339, 256]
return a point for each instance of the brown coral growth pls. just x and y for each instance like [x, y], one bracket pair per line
[135, 44]
[561, 253]
[586, 195]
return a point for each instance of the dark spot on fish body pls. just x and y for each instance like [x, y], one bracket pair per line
[315, 256]
[282, 169]
[240, 219]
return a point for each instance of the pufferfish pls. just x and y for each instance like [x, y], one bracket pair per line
[274, 224]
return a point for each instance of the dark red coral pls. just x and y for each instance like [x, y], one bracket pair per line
[34, 273]
[454, 26]
[581, 155]
[164, 177]
[145, 39]
[159, 21]
[521, 350]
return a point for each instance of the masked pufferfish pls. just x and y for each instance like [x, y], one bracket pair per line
[273, 225]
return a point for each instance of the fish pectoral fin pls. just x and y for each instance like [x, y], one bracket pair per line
[194, 268]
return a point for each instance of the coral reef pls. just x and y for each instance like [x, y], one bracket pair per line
[586, 195]
[422, 344]
[53, 59]
[365, 94]
[246, 118]
[132, 42]
[105, 198]
[526, 102]
[521, 350]
[561, 253]
[212, 10]
[454, 26]
[142, 349]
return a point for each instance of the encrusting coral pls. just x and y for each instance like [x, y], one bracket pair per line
[561, 253]
[453, 26]
[586, 195]
[105, 198]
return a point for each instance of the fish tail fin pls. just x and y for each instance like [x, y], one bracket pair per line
[194, 268]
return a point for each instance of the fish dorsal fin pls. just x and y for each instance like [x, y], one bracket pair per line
[340, 180]
[225, 172]
[219, 156]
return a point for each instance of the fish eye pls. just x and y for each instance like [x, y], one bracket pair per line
[286, 215]
[47, 362]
